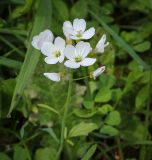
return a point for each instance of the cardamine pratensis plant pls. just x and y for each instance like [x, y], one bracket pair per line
[73, 52]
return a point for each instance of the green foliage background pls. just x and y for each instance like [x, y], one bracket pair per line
[109, 118]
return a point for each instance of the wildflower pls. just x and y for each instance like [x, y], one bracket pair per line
[54, 52]
[101, 44]
[77, 55]
[53, 76]
[98, 72]
[39, 40]
[77, 30]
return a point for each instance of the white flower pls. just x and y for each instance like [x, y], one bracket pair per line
[77, 30]
[77, 55]
[45, 36]
[101, 44]
[53, 76]
[98, 72]
[54, 52]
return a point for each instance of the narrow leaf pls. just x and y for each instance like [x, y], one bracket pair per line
[42, 21]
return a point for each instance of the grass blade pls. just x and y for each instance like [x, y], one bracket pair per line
[10, 63]
[42, 21]
[126, 46]
[12, 46]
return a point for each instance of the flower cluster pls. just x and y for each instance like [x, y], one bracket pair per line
[73, 50]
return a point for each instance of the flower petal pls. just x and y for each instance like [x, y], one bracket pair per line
[69, 52]
[98, 72]
[51, 60]
[83, 48]
[35, 41]
[47, 49]
[53, 76]
[88, 33]
[101, 44]
[79, 24]
[88, 61]
[45, 36]
[59, 43]
[67, 28]
[71, 64]
[61, 58]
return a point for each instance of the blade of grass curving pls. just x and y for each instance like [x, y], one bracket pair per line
[12, 46]
[13, 31]
[10, 63]
[126, 46]
[42, 21]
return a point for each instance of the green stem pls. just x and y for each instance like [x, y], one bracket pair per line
[119, 148]
[146, 123]
[77, 79]
[66, 105]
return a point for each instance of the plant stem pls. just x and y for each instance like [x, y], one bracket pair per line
[77, 79]
[120, 152]
[142, 155]
[63, 124]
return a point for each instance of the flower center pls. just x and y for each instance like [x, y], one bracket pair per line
[78, 59]
[79, 34]
[56, 54]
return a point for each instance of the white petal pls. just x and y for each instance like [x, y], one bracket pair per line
[69, 52]
[98, 72]
[71, 64]
[45, 36]
[88, 33]
[75, 37]
[79, 25]
[67, 28]
[53, 76]
[35, 41]
[59, 43]
[88, 61]
[51, 60]
[101, 44]
[47, 49]
[83, 48]
[61, 58]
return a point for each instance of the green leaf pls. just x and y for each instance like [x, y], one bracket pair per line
[93, 86]
[42, 21]
[22, 130]
[47, 153]
[109, 130]
[10, 63]
[79, 9]
[21, 153]
[142, 47]
[105, 109]
[62, 9]
[82, 129]
[90, 152]
[103, 95]
[88, 103]
[141, 97]
[107, 80]
[21, 10]
[126, 46]
[113, 118]
[4, 156]
[84, 113]
[51, 132]
[116, 94]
